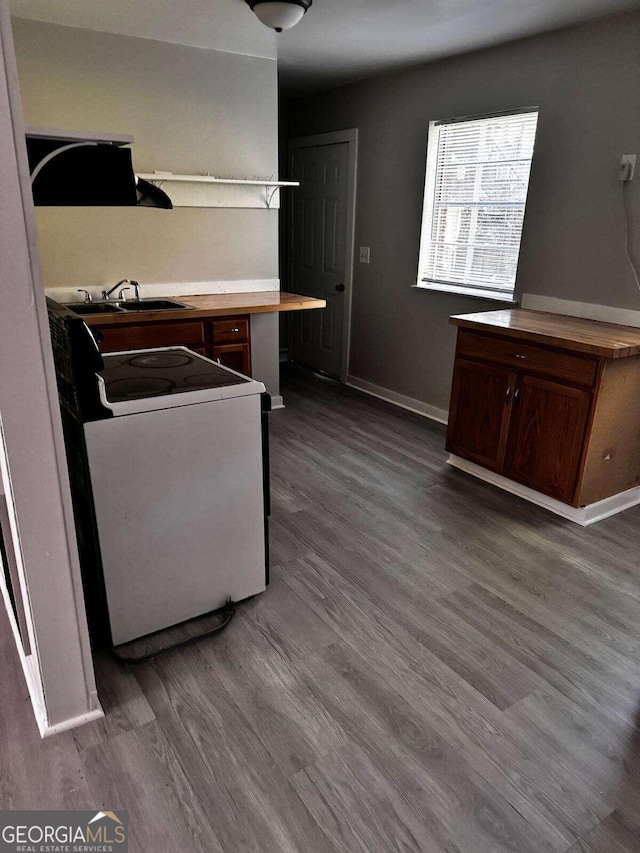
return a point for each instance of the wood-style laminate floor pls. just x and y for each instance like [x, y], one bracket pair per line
[436, 666]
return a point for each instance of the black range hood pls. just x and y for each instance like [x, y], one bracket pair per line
[84, 170]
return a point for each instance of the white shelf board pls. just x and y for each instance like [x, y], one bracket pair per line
[211, 191]
[157, 177]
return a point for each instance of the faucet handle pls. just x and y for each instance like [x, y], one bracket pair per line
[121, 295]
[87, 296]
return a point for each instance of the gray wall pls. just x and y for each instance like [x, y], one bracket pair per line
[190, 110]
[586, 81]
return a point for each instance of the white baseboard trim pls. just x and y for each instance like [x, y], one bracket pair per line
[176, 288]
[584, 516]
[409, 403]
[48, 730]
[586, 310]
[277, 402]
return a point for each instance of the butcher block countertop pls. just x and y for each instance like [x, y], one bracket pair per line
[215, 305]
[574, 333]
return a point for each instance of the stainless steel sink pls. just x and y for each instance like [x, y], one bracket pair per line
[92, 308]
[120, 307]
[151, 305]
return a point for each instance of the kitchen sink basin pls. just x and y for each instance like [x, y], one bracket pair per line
[92, 308]
[151, 305]
[133, 305]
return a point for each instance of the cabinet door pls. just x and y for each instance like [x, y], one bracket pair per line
[479, 416]
[546, 436]
[235, 356]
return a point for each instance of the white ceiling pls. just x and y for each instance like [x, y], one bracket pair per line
[345, 39]
[338, 40]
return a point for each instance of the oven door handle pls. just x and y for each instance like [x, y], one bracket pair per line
[102, 393]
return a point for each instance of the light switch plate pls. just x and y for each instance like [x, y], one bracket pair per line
[365, 254]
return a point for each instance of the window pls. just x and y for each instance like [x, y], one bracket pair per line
[475, 195]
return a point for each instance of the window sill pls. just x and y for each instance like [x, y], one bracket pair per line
[461, 290]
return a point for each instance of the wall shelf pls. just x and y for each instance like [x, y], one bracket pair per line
[211, 191]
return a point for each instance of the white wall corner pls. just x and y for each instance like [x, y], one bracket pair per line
[58, 670]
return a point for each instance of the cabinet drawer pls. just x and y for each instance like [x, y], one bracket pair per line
[150, 335]
[230, 331]
[570, 367]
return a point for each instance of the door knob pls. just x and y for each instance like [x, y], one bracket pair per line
[340, 288]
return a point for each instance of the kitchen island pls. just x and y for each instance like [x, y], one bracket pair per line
[547, 407]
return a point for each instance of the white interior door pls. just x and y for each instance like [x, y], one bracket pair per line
[318, 241]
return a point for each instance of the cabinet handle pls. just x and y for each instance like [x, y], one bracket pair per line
[516, 396]
[521, 356]
[507, 395]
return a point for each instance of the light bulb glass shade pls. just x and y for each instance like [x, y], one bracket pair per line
[279, 15]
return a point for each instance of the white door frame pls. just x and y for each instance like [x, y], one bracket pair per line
[33, 467]
[349, 136]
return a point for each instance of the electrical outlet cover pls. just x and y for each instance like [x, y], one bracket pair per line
[627, 167]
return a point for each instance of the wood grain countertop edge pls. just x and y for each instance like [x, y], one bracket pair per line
[211, 306]
[564, 338]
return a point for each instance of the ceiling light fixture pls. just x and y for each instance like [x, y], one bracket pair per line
[279, 14]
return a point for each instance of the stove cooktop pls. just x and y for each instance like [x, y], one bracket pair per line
[158, 373]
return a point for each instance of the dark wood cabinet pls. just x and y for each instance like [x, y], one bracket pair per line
[231, 343]
[550, 402]
[528, 428]
[480, 399]
[146, 335]
[546, 436]
[225, 338]
[235, 356]
[522, 411]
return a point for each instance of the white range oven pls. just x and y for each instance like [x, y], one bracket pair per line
[176, 453]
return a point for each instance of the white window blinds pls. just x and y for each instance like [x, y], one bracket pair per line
[475, 194]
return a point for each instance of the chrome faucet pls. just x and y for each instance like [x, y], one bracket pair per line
[87, 296]
[126, 281]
